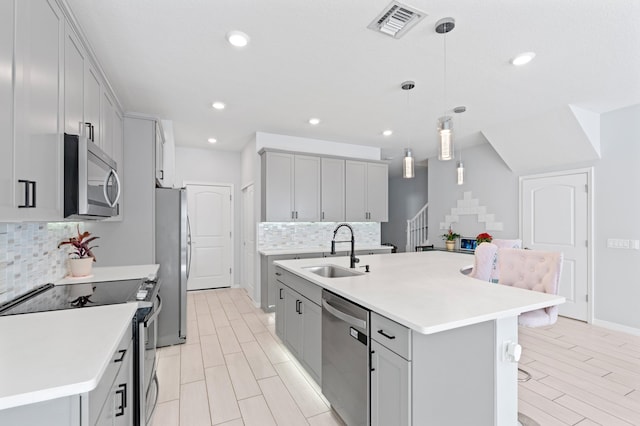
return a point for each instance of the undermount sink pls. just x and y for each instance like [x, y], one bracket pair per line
[332, 271]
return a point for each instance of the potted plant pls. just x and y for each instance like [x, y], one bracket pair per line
[483, 238]
[450, 239]
[82, 259]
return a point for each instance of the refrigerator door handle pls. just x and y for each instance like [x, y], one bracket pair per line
[188, 246]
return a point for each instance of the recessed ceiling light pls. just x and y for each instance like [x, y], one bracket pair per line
[523, 58]
[212, 140]
[387, 133]
[314, 121]
[218, 105]
[237, 38]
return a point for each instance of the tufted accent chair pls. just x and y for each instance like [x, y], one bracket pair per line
[532, 270]
[483, 260]
[495, 274]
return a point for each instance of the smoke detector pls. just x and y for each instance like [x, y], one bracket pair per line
[396, 19]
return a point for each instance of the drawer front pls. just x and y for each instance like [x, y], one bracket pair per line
[305, 288]
[98, 396]
[392, 335]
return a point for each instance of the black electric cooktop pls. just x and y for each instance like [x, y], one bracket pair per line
[70, 296]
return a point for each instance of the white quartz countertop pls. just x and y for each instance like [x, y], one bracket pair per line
[49, 355]
[424, 291]
[321, 249]
[113, 273]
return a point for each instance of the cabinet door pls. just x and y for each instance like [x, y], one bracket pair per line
[74, 59]
[278, 187]
[280, 309]
[332, 186]
[293, 322]
[106, 123]
[306, 188]
[38, 107]
[312, 338]
[159, 155]
[355, 191]
[92, 94]
[377, 192]
[390, 387]
[6, 108]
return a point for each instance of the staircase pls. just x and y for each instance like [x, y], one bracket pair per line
[417, 228]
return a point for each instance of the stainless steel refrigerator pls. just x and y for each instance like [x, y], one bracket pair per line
[172, 254]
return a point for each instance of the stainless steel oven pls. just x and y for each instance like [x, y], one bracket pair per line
[146, 345]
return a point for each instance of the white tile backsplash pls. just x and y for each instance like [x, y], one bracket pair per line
[287, 235]
[29, 256]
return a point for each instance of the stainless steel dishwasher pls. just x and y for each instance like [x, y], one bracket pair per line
[345, 358]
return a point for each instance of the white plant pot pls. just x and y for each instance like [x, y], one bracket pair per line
[451, 245]
[80, 267]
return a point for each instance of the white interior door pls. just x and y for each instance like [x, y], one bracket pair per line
[248, 240]
[554, 216]
[209, 209]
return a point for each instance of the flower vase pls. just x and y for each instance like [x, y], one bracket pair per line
[451, 245]
[80, 267]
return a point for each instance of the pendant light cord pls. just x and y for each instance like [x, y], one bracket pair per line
[445, 75]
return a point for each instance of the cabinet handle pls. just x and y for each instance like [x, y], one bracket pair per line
[322, 215]
[371, 361]
[161, 174]
[293, 215]
[29, 194]
[280, 295]
[122, 353]
[278, 274]
[89, 126]
[123, 399]
[300, 307]
[296, 215]
[388, 336]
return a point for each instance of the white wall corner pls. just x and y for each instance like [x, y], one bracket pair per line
[590, 123]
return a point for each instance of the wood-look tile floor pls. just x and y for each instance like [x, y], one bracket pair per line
[234, 371]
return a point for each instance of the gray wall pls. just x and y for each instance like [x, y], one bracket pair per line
[132, 241]
[617, 215]
[406, 197]
[223, 167]
[616, 203]
[489, 180]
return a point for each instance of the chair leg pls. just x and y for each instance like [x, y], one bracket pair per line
[527, 375]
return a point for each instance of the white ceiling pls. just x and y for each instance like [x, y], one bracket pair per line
[316, 58]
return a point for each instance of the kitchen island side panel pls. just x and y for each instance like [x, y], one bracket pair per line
[453, 376]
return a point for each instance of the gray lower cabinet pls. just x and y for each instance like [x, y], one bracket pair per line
[268, 278]
[390, 387]
[299, 320]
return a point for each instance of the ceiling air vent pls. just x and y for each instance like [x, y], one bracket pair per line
[396, 19]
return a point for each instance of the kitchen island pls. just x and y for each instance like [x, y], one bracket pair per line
[447, 361]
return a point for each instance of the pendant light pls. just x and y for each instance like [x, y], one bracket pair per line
[445, 124]
[460, 169]
[408, 170]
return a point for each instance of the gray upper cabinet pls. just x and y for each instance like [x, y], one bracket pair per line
[48, 87]
[92, 100]
[367, 191]
[332, 188]
[74, 60]
[38, 103]
[6, 109]
[291, 187]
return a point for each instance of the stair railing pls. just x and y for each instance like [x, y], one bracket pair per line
[417, 228]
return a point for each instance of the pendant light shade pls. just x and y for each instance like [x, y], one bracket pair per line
[408, 170]
[445, 134]
[460, 173]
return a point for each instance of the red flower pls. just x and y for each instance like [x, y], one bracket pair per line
[484, 238]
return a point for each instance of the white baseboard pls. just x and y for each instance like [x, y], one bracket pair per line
[616, 327]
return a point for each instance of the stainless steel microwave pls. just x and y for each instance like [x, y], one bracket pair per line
[91, 183]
